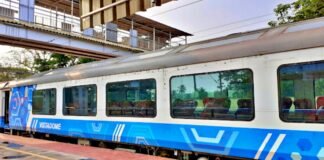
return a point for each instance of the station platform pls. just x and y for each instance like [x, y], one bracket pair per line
[24, 148]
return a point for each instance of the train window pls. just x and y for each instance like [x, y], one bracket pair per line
[301, 92]
[80, 100]
[131, 98]
[225, 95]
[44, 102]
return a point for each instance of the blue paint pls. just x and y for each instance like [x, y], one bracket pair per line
[239, 142]
[236, 142]
[1, 121]
[20, 107]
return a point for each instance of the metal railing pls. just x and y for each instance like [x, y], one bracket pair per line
[60, 20]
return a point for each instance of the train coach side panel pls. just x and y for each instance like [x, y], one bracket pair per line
[20, 107]
[238, 142]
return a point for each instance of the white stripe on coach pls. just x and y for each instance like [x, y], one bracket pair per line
[113, 135]
[120, 132]
[276, 145]
[264, 143]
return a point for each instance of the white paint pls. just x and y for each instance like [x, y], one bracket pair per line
[265, 91]
[275, 146]
[295, 156]
[264, 143]
[215, 140]
[120, 133]
[320, 154]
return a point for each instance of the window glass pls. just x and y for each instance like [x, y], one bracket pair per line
[226, 95]
[131, 98]
[44, 102]
[302, 92]
[80, 100]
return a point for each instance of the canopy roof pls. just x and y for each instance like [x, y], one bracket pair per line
[146, 25]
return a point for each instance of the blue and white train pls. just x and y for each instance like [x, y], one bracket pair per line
[256, 95]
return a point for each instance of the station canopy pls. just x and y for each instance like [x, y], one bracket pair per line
[146, 26]
[121, 12]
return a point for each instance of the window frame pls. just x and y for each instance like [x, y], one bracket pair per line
[63, 101]
[279, 89]
[201, 73]
[156, 93]
[44, 89]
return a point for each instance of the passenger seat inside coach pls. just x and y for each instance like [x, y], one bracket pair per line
[303, 110]
[145, 108]
[285, 104]
[244, 111]
[114, 108]
[320, 109]
[128, 108]
[184, 108]
[216, 108]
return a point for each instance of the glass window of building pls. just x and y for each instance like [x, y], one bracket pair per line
[80, 100]
[135, 98]
[225, 95]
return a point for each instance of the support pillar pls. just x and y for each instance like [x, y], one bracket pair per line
[154, 40]
[26, 10]
[133, 41]
[111, 32]
[170, 39]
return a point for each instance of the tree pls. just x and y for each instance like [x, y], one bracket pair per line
[34, 61]
[40, 61]
[11, 73]
[202, 93]
[298, 11]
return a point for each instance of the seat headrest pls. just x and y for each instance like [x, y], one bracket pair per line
[303, 103]
[244, 103]
[286, 102]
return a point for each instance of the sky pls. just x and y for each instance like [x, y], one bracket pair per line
[207, 19]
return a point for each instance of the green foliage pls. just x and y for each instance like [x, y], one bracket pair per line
[58, 61]
[308, 9]
[298, 11]
[11, 73]
[30, 62]
[202, 93]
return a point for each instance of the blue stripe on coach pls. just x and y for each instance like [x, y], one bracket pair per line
[239, 142]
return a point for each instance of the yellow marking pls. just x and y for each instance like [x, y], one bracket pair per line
[28, 153]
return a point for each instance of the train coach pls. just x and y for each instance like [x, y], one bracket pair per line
[256, 95]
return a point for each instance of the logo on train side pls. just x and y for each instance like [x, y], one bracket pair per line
[46, 125]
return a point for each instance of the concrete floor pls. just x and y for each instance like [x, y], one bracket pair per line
[23, 148]
[15, 151]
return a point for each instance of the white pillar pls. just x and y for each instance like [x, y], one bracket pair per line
[154, 39]
[170, 39]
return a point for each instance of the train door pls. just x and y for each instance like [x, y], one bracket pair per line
[6, 98]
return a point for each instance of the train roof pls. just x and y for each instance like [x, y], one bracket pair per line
[294, 36]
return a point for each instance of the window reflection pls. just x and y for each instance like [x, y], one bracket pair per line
[226, 95]
[80, 100]
[302, 92]
[131, 98]
[44, 102]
